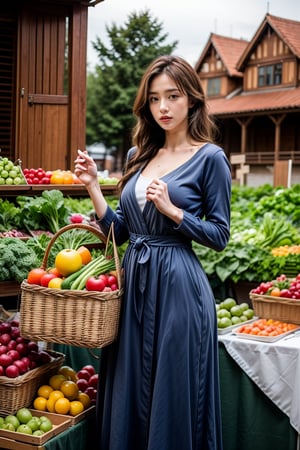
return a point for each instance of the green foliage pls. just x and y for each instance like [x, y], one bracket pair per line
[16, 259]
[112, 87]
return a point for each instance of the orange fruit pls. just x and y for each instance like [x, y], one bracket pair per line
[44, 391]
[62, 406]
[55, 283]
[69, 389]
[68, 177]
[53, 397]
[76, 407]
[57, 177]
[84, 399]
[56, 380]
[85, 254]
[40, 403]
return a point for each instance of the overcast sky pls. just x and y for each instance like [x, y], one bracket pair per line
[189, 22]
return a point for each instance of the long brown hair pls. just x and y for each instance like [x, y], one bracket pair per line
[148, 136]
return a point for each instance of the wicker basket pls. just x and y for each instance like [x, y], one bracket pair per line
[80, 318]
[20, 392]
[277, 308]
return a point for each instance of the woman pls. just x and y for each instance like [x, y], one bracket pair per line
[162, 386]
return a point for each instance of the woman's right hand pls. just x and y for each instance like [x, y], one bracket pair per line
[85, 168]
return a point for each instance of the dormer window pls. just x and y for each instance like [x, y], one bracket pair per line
[269, 75]
[213, 86]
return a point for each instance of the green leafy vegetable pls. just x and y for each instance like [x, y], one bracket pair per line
[16, 259]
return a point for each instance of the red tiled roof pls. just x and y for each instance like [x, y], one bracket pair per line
[229, 50]
[288, 30]
[256, 102]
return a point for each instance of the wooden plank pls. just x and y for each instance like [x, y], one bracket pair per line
[238, 159]
[282, 173]
[47, 99]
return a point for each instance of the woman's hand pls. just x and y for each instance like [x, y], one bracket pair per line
[85, 168]
[157, 192]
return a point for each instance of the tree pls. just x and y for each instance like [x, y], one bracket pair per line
[112, 87]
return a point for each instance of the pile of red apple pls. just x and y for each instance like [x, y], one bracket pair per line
[18, 355]
[87, 381]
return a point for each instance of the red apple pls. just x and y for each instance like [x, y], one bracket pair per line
[44, 357]
[93, 381]
[26, 361]
[83, 374]
[32, 346]
[21, 340]
[5, 327]
[22, 366]
[14, 354]
[91, 392]
[82, 384]
[3, 349]
[12, 371]
[22, 348]
[15, 332]
[5, 360]
[15, 323]
[12, 344]
[91, 369]
[5, 338]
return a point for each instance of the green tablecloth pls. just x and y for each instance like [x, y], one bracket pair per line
[250, 420]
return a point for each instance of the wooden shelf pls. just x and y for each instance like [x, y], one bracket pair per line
[74, 190]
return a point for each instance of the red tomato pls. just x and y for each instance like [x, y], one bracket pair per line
[95, 284]
[46, 278]
[112, 280]
[35, 275]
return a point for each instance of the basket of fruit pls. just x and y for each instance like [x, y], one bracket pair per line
[278, 299]
[80, 304]
[23, 367]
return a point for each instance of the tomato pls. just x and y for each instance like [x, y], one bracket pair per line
[55, 271]
[85, 254]
[35, 275]
[95, 284]
[46, 278]
[68, 261]
[112, 280]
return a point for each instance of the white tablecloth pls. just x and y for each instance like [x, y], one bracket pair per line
[274, 367]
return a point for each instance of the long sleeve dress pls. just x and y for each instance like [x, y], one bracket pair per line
[161, 387]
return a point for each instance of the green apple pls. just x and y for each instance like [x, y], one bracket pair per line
[46, 424]
[236, 311]
[4, 173]
[24, 428]
[2, 180]
[34, 424]
[18, 180]
[13, 173]
[8, 426]
[1, 422]
[223, 313]
[228, 303]
[249, 313]
[235, 320]
[13, 420]
[38, 433]
[224, 322]
[24, 415]
[244, 306]
[9, 181]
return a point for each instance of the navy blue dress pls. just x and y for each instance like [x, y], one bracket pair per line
[161, 389]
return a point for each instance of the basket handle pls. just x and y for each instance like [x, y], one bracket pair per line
[71, 226]
[111, 235]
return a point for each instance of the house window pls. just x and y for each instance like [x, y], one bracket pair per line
[213, 86]
[269, 75]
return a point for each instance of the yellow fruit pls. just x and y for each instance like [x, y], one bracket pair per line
[76, 408]
[53, 397]
[84, 399]
[69, 389]
[68, 261]
[55, 283]
[68, 372]
[40, 403]
[62, 406]
[56, 380]
[44, 391]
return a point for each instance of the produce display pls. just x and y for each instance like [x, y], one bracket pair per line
[267, 328]
[17, 354]
[230, 313]
[25, 422]
[68, 392]
[10, 173]
[282, 287]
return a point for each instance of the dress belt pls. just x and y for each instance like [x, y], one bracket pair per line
[143, 243]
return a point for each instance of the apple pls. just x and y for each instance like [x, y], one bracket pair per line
[21, 365]
[14, 332]
[91, 369]
[83, 374]
[24, 428]
[21, 340]
[22, 348]
[5, 327]
[3, 349]
[82, 384]
[12, 344]
[91, 392]
[32, 346]
[5, 360]
[5, 338]
[15, 323]
[112, 280]
[14, 354]
[44, 357]
[95, 284]
[46, 424]
[12, 371]
[46, 278]
[93, 381]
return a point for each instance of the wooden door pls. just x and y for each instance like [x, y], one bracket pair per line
[42, 104]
